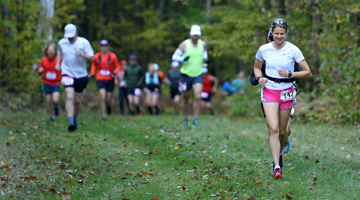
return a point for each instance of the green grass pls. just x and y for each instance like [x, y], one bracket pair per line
[145, 157]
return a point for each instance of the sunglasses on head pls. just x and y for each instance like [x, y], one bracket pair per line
[279, 22]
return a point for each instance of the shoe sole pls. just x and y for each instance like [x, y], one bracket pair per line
[71, 128]
[277, 176]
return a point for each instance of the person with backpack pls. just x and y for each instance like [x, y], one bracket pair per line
[152, 89]
[278, 92]
[106, 66]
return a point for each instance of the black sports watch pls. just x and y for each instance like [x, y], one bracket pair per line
[290, 74]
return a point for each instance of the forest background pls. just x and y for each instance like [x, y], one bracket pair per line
[327, 32]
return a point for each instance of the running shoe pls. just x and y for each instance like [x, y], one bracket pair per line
[277, 173]
[186, 122]
[51, 119]
[57, 111]
[195, 123]
[72, 127]
[286, 147]
[108, 110]
[280, 162]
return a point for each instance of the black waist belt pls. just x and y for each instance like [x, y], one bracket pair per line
[280, 80]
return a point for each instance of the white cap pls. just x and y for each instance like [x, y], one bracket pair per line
[205, 70]
[70, 31]
[195, 30]
[175, 64]
[156, 66]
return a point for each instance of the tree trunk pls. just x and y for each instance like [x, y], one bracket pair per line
[267, 5]
[45, 16]
[281, 7]
[6, 35]
[208, 9]
[316, 17]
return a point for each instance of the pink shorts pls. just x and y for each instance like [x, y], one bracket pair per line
[285, 98]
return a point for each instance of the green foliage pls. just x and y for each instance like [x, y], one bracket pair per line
[247, 104]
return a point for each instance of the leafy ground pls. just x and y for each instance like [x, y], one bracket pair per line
[156, 158]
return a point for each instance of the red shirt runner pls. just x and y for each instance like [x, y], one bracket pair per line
[50, 75]
[207, 87]
[104, 66]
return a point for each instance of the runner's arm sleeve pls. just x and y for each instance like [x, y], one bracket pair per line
[205, 56]
[93, 67]
[177, 56]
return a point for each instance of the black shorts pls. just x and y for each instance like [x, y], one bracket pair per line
[49, 89]
[186, 82]
[130, 91]
[174, 92]
[107, 85]
[207, 98]
[79, 84]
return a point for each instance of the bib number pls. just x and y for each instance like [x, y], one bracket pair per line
[67, 81]
[137, 92]
[122, 83]
[287, 95]
[104, 72]
[182, 87]
[204, 95]
[50, 75]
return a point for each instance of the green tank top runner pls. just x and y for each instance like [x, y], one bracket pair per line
[193, 66]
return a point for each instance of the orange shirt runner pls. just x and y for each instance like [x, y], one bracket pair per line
[104, 66]
[50, 75]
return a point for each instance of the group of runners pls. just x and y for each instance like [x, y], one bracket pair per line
[274, 70]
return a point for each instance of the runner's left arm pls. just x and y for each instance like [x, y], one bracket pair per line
[216, 82]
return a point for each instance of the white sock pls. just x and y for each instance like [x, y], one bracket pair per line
[277, 167]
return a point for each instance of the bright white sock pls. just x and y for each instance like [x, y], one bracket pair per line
[277, 167]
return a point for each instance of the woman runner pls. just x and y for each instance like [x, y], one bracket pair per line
[52, 79]
[278, 91]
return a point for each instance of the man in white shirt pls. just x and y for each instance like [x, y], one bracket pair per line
[74, 51]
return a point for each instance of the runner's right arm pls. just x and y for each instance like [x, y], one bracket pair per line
[178, 55]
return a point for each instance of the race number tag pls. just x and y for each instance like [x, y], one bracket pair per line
[182, 87]
[288, 95]
[204, 95]
[137, 92]
[104, 72]
[50, 75]
[67, 81]
[122, 84]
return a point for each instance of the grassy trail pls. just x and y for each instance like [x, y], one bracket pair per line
[155, 157]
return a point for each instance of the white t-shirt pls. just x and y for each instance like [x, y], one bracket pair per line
[73, 65]
[285, 58]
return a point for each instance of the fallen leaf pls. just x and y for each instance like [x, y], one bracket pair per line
[33, 177]
[288, 196]
[66, 196]
[154, 198]
[90, 153]
[128, 173]
[252, 198]
[11, 138]
[44, 158]
[348, 156]
[258, 183]
[176, 148]
[52, 190]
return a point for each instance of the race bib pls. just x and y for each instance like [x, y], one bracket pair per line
[122, 83]
[182, 87]
[204, 95]
[104, 72]
[67, 81]
[50, 75]
[288, 95]
[137, 92]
